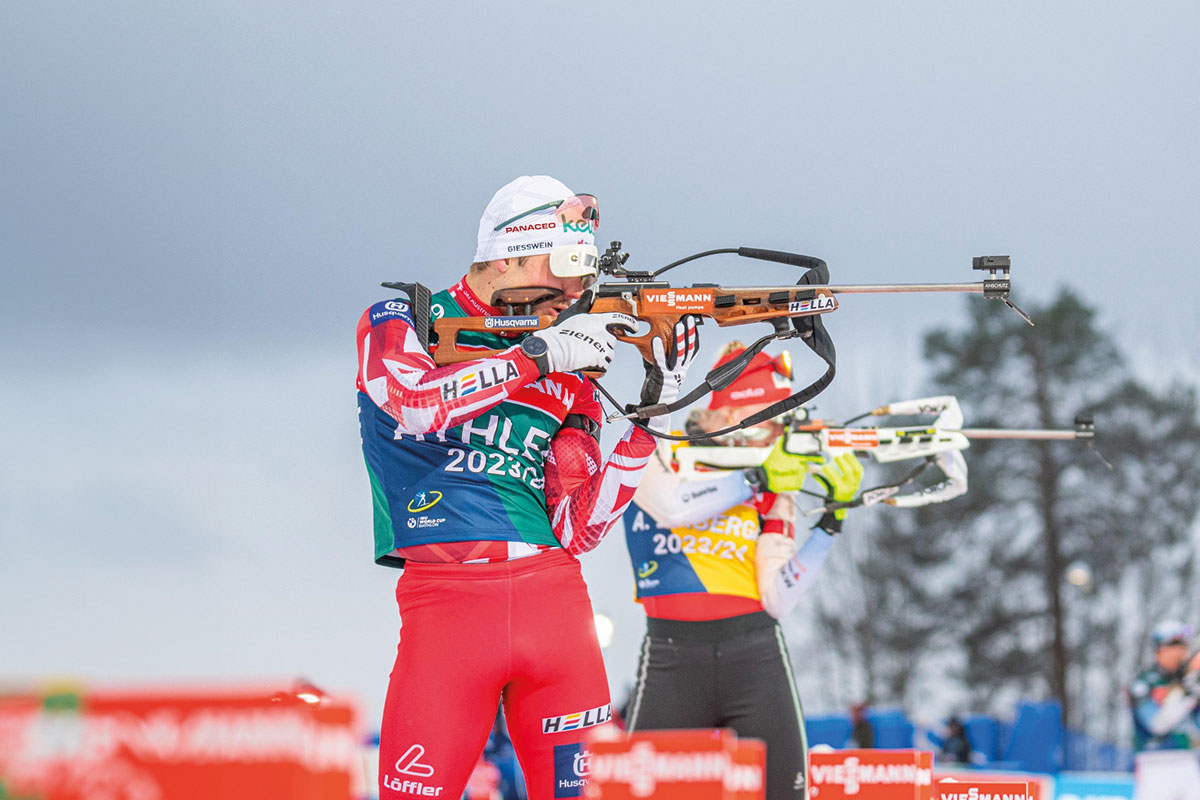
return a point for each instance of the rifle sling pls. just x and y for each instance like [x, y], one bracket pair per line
[811, 329]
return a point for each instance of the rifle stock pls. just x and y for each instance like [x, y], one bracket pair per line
[448, 351]
[659, 305]
[940, 443]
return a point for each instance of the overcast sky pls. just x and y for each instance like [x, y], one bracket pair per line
[197, 200]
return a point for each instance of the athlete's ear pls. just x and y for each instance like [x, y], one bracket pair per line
[502, 265]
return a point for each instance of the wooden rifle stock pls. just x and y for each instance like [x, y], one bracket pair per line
[659, 306]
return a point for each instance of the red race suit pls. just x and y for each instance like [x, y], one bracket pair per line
[487, 482]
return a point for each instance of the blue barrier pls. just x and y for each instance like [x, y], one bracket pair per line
[831, 729]
[1084, 753]
[893, 731]
[1035, 741]
[1081, 786]
[984, 734]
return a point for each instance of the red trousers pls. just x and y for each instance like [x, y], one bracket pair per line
[472, 635]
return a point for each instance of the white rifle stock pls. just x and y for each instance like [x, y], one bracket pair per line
[942, 442]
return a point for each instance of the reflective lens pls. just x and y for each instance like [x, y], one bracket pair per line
[742, 438]
[763, 433]
[579, 210]
[579, 214]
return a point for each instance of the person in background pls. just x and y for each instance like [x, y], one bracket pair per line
[716, 565]
[956, 747]
[862, 735]
[1166, 720]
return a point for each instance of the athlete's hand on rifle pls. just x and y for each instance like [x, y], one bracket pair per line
[782, 471]
[582, 341]
[665, 377]
[841, 478]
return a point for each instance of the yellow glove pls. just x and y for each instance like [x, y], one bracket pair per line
[842, 476]
[782, 471]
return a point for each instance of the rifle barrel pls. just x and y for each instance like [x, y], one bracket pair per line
[1021, 433]
[870, 288]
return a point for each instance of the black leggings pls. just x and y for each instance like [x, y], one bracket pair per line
[725, 673]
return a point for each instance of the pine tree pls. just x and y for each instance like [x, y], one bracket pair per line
[980, 582]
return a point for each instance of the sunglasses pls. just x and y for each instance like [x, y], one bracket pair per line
[588, 210]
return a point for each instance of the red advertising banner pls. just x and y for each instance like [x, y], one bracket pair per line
[746, 778]
[1039, 785]
[236, 745]
[870, 775]
[954, 789]
[676, 765]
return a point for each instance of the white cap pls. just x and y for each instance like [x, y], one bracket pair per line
[1172, 631]
[528, 233]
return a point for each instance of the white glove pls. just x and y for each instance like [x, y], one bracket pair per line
[665, 377]
[582, 341]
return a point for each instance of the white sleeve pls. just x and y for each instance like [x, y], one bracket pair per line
[1175, 708]
[784, 574]
[674, 502]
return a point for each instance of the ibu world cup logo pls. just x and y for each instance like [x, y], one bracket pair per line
[424, 500]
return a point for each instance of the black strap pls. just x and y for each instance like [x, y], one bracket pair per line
[584, 423]
[811, 329]
[893, 488]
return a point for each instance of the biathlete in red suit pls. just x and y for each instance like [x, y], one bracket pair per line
[488, 480]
